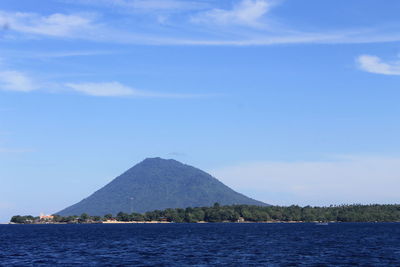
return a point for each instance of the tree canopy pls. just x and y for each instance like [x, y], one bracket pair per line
[238, 213]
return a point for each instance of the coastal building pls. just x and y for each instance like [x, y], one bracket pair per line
[44, 217]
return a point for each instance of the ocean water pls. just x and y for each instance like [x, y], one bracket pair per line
[339, 244]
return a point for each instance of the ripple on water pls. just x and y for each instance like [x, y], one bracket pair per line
[200, 244]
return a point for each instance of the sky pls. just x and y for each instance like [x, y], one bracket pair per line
[287, 101]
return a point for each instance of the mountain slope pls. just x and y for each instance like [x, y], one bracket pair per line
[157, 183]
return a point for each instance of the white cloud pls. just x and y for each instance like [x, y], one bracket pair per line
[149, 5]
[20, 82]
[159, 4]
[246, 12]
[62, 54]
[59, 25]
[103, 89]
[11, 80]
[16, 81]
[351, 179]
[40, 54]
[119, 90]
[374, 64]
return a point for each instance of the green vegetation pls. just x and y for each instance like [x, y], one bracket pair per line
[23, 219]
[239, 213]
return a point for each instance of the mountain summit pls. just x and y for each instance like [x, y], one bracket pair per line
[157, 184]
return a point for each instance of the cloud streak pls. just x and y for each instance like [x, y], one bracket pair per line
[17, 81]
[374, 64]
[144, 5]
[56, 25]
[62, 54]
[246, 12]
[246, 21]
[348, 179]
[116, 89]
[104, 89]
[20, 82]
[11, 80]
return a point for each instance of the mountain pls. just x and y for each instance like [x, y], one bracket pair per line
[157, 183]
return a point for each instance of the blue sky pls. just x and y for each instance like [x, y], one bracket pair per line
[288, 101]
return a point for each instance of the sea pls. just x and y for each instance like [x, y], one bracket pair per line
[208, 244]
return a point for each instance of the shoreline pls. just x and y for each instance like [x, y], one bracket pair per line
[201, 222]
[232, 214]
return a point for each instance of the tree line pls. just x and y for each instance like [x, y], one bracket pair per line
[240, 213]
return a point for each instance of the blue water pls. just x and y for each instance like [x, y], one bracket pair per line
[343, 244]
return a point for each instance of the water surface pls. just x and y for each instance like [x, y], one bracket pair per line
[344, 244]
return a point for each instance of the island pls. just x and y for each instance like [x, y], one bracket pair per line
[234, 214]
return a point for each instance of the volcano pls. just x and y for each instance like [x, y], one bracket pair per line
[157, 184]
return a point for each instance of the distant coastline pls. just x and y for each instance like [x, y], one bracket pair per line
[232, 214]
[161, 222]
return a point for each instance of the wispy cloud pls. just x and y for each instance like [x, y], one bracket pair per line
[11, 80]
[117, 89]
[248, 21]
[149, 5]
[43, 54]
[161, 4]
[62, 54]
[246, 12]
[347, 179]
[376, 65]
[71, 26]
[104, 89]
[59, 25]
